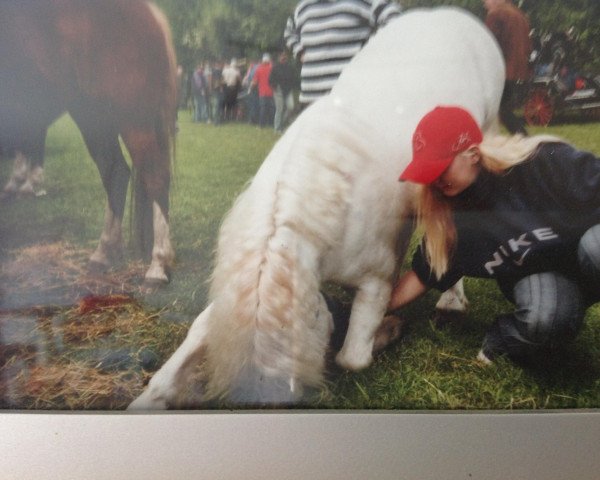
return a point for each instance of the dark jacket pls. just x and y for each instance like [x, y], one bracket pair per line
[527, 220]
[283, 76]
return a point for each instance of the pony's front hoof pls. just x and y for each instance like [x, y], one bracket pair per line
[353, 362]
[388, 332]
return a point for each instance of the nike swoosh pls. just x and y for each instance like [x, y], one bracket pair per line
[519, 262]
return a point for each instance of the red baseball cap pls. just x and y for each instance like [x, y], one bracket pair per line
[442, 134]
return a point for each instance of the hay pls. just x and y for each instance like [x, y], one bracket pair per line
[101, 360]
[70, 340]
[56, 274]
[74, 386]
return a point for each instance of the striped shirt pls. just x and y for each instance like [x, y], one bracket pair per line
[327, 34]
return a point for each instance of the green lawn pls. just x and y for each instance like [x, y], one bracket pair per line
[430, 368]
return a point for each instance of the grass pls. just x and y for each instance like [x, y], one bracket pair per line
[63, 356]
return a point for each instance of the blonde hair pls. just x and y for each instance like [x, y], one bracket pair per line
[434, 212]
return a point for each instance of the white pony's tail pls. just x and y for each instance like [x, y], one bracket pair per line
[268, 340]
[270, 326]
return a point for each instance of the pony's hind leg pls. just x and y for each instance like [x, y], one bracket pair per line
[166, 384]
[153, 175]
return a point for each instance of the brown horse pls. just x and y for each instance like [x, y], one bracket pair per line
[111, 66]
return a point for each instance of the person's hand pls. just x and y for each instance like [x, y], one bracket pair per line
[408, 289]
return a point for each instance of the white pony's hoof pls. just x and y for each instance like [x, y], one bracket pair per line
[353, 362]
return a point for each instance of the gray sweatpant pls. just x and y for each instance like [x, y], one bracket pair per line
[549, 306]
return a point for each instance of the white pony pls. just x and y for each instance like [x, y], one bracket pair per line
[327, 205]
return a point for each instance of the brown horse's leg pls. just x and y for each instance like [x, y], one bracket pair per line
[153, 176]
[19, 174]
[105, 150]
[27, 174]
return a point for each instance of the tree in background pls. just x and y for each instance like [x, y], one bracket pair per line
[210, 29]
[583, 16]
[206, 29]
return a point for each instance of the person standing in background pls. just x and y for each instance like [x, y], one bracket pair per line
[251, 98]
[511, 28]
[232, 81]
[324, 35]
[216, 92]
[265, 92]
[200, 92]
[282, 81]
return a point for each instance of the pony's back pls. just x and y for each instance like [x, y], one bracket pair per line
[421, 59]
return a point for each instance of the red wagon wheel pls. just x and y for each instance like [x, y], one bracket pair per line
[538, 108]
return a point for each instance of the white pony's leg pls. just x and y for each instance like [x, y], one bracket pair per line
[162, 250]
[368, 309]
[165, 385]
[110, 246]
[453, 300]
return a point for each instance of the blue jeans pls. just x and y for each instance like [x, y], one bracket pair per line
[266, 110]
[549, 306]
[284, 105]
[252, 106]
[216, 107]
[201, 109]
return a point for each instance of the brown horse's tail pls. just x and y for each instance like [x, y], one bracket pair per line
[160, 168]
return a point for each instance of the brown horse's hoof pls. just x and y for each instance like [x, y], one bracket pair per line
[7, 195]
[152, 285]
[13, 195]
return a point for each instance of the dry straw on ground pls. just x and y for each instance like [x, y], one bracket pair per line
[71, 340]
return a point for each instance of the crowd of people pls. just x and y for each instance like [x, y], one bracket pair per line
[258, 92]
[323, 36]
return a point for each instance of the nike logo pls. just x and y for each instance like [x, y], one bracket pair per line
[519, 262]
